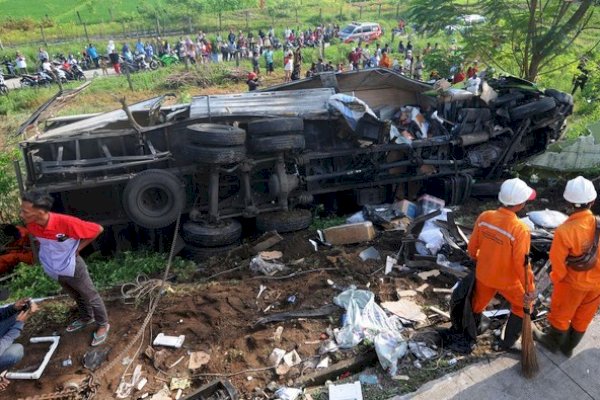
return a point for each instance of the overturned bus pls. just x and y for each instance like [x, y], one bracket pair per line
[368, 136]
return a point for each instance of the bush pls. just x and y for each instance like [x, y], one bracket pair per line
[9, 191]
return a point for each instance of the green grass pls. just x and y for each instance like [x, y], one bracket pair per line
[91, 11]
[31, 281]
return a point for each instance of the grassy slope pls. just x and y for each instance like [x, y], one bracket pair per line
[64, 13]
[92, 11]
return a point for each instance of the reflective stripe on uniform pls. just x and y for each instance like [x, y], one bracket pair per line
[499, 230]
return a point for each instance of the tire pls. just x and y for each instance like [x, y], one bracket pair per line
[215, 135]
[269, 144]
[559, 96]
[206, 235]
[154, 198]
[215, 155]
[153, 65]
[201, 254]
[530, 109]
[507, 98]
[275, 126]
[284, 221]
[81, 78]
[4, 89]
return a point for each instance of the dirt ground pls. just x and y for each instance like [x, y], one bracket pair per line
[219, 316]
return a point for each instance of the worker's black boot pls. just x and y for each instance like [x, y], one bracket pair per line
[551, 340]
[572, 340]
[512, 331]
[482, 323]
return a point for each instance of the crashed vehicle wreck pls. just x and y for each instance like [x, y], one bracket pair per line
[365, 136]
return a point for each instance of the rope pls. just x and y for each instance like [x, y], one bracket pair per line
[143, 287]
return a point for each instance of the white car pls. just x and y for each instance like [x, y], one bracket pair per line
[360, 32]
[471, 19]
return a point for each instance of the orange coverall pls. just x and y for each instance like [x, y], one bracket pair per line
[20, 251]
[576, 294]
[499, 243]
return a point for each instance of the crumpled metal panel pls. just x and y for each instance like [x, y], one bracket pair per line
[98, 121]
[582, 155]
[284, 103]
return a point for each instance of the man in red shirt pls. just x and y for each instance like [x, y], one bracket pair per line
[459, 76]
[354, 57]
[61, 238]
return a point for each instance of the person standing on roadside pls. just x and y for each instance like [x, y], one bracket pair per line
[61, 238]
[42, 55]
[115, 60]
[93, 53]
[576, 279]
[21, 62]
[500, 247]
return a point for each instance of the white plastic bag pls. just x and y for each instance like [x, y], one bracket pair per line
[364, 318]
[258, 264]
[431, 235]
[287, 393]
[390, 348]
[549, 219]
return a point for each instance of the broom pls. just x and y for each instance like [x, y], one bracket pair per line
[529, 363]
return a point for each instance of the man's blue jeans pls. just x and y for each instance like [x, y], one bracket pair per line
[15, 352]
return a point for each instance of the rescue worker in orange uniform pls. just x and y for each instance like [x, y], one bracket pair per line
[16, 248]
[576, 295]
[500, 246]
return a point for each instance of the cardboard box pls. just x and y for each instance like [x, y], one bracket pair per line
[408, 208]
[428, 204]
[350, 233]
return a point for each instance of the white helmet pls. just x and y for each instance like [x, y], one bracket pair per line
[514, 192]
[580, 191]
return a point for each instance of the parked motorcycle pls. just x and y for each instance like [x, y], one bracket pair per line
[78, 72]
[11, 72]
[139, 64]
[141, 58]
[166, 59]
[41, 79]
[71, 72]
[3, 87]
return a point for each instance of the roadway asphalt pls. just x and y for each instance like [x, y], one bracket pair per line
[89, 74]
[560, 378]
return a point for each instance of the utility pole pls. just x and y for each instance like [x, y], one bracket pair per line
[128, 75]
[43, 34]
[84, 27]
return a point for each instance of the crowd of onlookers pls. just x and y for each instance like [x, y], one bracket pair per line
[258, 48]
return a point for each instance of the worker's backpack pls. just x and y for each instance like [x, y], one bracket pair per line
[587, 260]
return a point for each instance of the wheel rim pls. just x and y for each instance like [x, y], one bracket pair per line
[155, 201]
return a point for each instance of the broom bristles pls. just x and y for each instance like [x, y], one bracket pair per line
[529, 362]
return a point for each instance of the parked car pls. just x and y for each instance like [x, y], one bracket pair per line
[360, 32]
[472, 19]
[266, 157]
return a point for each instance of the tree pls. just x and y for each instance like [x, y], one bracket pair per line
[214, 6]
[220, 6]
[525, 35]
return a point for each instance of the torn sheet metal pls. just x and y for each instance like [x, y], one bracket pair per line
[352, 108]
[267, 104]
